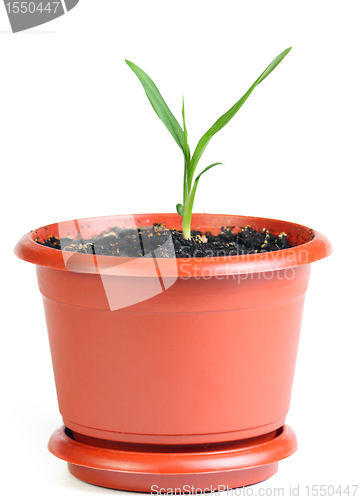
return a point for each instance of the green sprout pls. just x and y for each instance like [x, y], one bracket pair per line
[180, 135]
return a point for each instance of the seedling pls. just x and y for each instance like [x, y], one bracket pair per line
[181, 137]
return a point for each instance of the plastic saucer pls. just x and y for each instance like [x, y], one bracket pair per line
[173, 468]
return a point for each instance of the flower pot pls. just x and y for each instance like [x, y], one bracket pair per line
[173, 373]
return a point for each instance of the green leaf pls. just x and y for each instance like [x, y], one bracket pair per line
[187, 150]
[186, 187]
[179, 209]
[226, 117]
[205, 170]
[159, 105]
[273, 65]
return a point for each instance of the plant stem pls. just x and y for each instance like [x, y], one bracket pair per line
[186, 224]
[188, 200]
[185, 186]
[188, 208]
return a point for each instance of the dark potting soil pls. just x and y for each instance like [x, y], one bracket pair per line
[171, 243]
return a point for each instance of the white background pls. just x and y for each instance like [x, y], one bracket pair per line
[79, 138]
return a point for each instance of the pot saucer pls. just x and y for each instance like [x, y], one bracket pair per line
[173, 468]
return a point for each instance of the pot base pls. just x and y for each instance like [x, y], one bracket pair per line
[173, 468]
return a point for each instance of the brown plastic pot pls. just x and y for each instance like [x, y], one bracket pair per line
[173, 372]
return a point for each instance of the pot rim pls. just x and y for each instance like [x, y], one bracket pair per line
[315, 248]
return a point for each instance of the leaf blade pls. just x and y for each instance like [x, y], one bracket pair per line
[159, 105]
[187, 149]
[273, 65]
[226, 117]
[206, 169]
[179, 209]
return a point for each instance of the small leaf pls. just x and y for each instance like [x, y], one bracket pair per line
[206, 169]
[226, 117]
[159, 105]
[179, 209]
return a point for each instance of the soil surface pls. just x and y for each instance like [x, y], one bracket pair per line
[171, 243]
